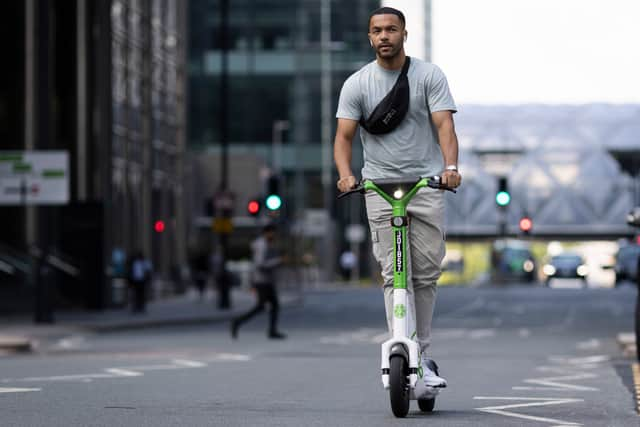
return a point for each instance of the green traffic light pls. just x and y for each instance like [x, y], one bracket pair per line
[503, 198]
[273, 202]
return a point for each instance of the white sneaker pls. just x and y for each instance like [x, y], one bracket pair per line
[429, 377]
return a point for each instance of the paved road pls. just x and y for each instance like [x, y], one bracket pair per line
[513, 356]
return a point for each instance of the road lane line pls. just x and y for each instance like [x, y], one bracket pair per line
[123, 372]
[555, 382]
[535, 401]
[17, 390]
[189, 363]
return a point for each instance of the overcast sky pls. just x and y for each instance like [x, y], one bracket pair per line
[542, 51]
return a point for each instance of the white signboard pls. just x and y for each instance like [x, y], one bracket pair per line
[34, 177]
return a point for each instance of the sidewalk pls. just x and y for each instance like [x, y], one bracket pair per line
[20, 334]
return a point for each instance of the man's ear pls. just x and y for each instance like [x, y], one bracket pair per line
[371, 42]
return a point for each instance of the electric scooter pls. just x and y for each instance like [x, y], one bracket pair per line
[400, 354]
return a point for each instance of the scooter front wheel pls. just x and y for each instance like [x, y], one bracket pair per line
[399, 386]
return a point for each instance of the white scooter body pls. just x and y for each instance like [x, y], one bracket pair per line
[402, 309]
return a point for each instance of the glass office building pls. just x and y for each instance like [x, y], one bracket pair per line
[103, 81]
[274, 63]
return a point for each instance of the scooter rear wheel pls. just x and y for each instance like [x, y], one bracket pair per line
[426, 405]
[399, 386]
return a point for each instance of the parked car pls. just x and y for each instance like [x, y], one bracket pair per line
[566, 265]
[627, 262]
[512, 261]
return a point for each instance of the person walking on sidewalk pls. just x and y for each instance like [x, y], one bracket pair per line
[139, 275]
[266, 260]
[421, 142]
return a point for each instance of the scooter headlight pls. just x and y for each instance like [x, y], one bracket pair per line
[398, 194]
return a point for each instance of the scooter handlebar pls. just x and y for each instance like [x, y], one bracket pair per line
[432, 182]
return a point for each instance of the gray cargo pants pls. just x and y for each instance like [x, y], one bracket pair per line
[426, 250]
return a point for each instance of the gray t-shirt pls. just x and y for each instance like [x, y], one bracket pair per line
[411, 149]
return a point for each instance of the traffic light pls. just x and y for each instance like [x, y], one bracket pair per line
[525, 224]
[159, 226]
[273, 200]
[503, 197]
[253, 207]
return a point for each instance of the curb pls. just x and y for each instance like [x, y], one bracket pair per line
[627, 341]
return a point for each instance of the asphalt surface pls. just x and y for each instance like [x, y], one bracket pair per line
[513, 356]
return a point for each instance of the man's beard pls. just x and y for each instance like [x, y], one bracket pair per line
[390, 52]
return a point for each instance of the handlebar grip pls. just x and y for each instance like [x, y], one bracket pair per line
[436, 182]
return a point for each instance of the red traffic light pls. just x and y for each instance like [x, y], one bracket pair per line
[253, 207]
[526, 224]
[159, 226]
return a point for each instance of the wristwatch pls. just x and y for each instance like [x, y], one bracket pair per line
[452, 168]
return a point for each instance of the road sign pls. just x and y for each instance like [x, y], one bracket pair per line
[34, 177]
[222, 225]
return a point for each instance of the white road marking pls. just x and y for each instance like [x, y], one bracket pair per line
[534, 401]
[592, 344]
[482, 333]
[71, 342]
[555, 382]
[570, 369]
[367, 335]
[17, 390]
[123, 372]
[379, 339]
[119, 372]
[449, 333]
[229, 357]
[580, 360]
[189, 363]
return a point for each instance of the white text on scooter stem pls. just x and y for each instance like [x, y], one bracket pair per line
[399, 254]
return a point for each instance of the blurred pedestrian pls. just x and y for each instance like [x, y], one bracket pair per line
[266, 260]
[139, 275]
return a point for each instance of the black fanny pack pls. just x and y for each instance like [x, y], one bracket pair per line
[394, 106]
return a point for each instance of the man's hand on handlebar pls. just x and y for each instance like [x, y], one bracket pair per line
[451, 179]
[347, 183]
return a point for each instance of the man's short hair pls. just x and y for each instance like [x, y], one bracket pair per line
[388, 11]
